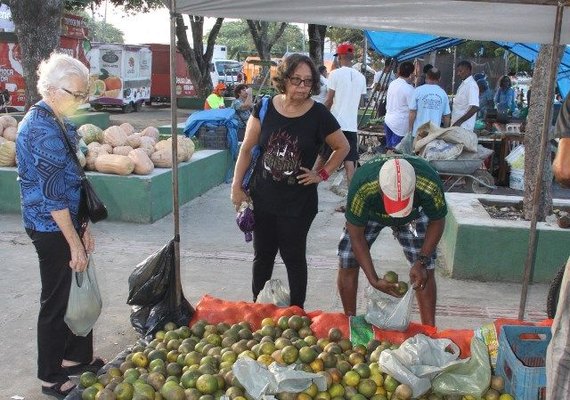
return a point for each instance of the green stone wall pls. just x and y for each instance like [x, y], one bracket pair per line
[142, 199]
[487, 252]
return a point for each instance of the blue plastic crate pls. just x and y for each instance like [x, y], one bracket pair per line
[521, 360]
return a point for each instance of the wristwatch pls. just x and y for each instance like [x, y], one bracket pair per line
[424, 260]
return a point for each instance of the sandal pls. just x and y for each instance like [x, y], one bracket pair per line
[55, 390]
[94, 366]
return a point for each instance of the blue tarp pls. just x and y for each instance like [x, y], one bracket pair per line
[407, 46]
[215, 118]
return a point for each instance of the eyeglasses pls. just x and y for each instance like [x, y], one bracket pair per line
[297, 81]
[78, 96]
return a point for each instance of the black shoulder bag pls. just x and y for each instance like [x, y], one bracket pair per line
[91, 208]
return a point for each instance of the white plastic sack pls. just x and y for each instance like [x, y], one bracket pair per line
[259, 380]
[418, 360]
[481, 154]
[84, 304]
[439, 149]
[428, 132]
[388, 312]
[274, 292]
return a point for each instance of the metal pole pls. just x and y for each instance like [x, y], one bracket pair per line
[364, 51]
[174, 133]
[453, 74]
[530, 258]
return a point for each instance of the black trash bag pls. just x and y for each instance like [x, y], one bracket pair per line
[149, 280]
[172, 307]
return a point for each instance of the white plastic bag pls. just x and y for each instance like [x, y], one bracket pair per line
[274, 292]
[259, 380]
[84, 304]
[388, 312]
[471, 377]
[418, 360]
[439, 149]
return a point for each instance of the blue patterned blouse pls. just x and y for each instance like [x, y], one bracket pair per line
[48, 177]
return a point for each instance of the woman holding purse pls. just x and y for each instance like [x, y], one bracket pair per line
[50, 186]
[284, 183]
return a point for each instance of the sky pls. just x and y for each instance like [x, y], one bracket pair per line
[153, 27]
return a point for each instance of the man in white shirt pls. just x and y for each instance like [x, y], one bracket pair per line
[429, 102]
[345, 89]
[322, 96]
[466, 100]
[397, 120]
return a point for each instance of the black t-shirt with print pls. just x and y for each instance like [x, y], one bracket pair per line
[288, 144]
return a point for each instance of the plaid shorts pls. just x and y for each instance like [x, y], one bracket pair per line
[411, 244]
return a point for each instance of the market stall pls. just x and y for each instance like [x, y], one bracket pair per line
[337, 367]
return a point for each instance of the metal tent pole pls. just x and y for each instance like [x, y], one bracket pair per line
[174, 133]
[530, 258]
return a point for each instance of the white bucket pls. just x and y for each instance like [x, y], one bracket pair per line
[516, 180]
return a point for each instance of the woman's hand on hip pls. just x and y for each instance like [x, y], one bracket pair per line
[309, 177]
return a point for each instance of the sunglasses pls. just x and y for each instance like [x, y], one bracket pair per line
[78, 96]
[297, 81]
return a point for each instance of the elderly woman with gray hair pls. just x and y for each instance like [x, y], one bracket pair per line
[50, 187]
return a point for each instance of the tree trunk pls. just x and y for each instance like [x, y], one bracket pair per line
[317, 42]
[260, 33]
[197, 58]
[38, 27]
[535, 120]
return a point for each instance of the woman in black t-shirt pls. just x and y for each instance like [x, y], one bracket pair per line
[284, 183]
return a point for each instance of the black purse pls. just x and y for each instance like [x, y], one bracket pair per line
[91, 208]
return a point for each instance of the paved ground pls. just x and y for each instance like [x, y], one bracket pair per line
[215, 260]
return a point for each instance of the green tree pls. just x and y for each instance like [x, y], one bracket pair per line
[235, 35]
[317, 42]
[339, 35]
[198, 58]
[38, 29]
[265, 35]
[101, 31]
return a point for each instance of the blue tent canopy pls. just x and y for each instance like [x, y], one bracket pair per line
[407, 46]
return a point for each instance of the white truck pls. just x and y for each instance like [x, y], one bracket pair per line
[225, 70]
[229, 72]
[120, 76]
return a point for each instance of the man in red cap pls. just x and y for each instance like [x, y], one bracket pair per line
[405, 193]
[216, 99]
[346, 86]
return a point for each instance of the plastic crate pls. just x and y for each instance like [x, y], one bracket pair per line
[213, 137]
[521, 360]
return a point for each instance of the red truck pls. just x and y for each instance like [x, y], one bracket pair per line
[12, 85]
[160, 76]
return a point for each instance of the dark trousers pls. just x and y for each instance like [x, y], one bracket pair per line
[56, 342]
[288, 235]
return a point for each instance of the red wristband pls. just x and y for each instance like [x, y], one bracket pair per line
[323, 174]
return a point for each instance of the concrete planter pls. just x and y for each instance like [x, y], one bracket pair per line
[476, 246]
[141, 199]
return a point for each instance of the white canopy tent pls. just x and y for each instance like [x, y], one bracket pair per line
[524, 21]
